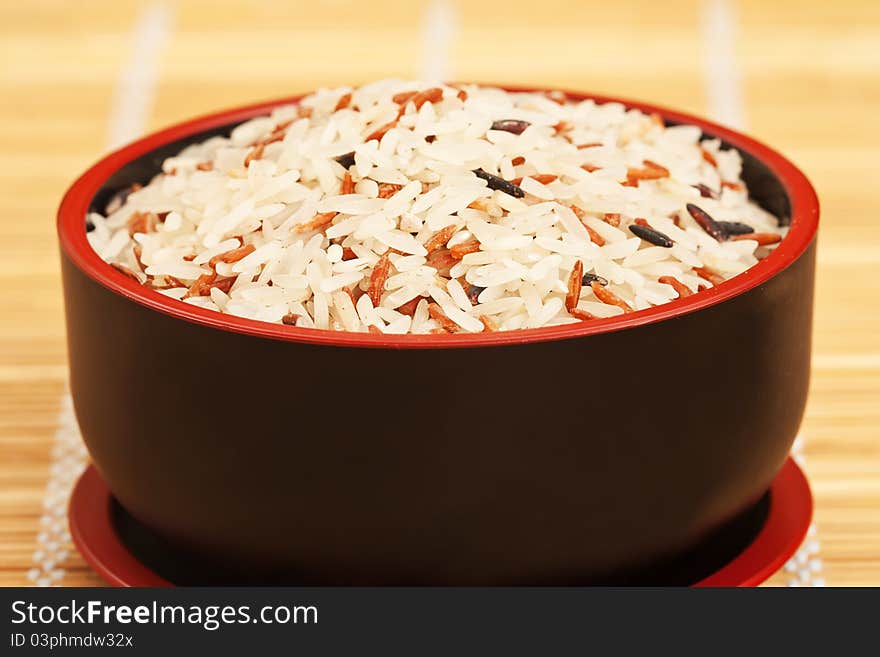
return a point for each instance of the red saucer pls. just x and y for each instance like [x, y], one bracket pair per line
[95, 534]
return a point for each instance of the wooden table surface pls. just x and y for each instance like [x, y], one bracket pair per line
[802, 76]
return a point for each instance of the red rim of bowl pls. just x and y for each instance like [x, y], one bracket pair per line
[791, 509]
[74, 207]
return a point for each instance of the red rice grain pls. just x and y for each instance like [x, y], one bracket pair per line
[438, 240]
[378, 278]
[437, 314]
[608, 297]
[709, 275]
[763, 239]
[575, 282]
[682, 289]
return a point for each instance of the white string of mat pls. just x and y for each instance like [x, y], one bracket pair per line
[133, 95]
[719, 28]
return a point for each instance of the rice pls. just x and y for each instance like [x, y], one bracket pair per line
[404, 207]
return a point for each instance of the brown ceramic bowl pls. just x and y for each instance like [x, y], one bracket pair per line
[543, 456]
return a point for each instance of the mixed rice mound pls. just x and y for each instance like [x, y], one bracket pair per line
[406, 207]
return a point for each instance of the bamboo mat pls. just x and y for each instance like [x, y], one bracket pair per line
[77, 78]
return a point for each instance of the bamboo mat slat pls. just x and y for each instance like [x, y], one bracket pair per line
[809, 74]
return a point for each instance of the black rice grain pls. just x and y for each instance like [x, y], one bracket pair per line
[511, 125]
[346, 160]
[500, 184]
[706, 222]
[652, 236]
[735, 227]
[473, 292]
[590, 278]
[706, 191]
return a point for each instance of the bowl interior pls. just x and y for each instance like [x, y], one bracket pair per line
[774, 183]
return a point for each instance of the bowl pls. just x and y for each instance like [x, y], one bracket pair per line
[560, 455]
